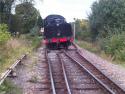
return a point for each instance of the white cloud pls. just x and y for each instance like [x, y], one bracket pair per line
[68, 8]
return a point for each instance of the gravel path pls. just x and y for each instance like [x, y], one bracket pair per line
[32, 76]
[114, 72]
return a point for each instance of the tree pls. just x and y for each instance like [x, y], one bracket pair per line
[40, 22]
[6, 7]
[1, 6]
[107, 17]
[81, 28]
[5, 11]
[4, 34]
[16, 24]
[28, 15]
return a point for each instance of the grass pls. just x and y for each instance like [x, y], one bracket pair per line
[89, 46]
[12, 51]
[9, 88]
[15, 48]
[94, 48]
[118, 62]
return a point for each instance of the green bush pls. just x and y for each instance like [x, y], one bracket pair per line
[120, 55]
[9, 88]
[114, 45]
[4, 34]
[83, 35]
[35, 40]
[107, 15]
[34, 31]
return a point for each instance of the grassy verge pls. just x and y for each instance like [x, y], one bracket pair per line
[15, 48]
[10, 52]
[94, 48]
[9, 88]
[89, 46]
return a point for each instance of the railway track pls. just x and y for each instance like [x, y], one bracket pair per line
[81, 82]
[58, 77]
[105, 83]
[96, 72]
[10, 70]
[70, 73]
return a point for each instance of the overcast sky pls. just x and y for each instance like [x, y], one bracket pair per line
[68, 8]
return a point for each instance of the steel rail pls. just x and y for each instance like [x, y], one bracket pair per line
[102, 73]
[92, 75]
[65, 75]
[9, 70]
[78, 52]
[50, 72]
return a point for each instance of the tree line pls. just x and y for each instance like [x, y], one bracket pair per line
[25, 18]
[106, 26]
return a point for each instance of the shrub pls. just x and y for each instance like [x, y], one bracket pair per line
[114, 45]
[120, 54]
[36, 42]
[83, 35]
[9, 88]
[107, 15]
[34, 31]
[4, 34]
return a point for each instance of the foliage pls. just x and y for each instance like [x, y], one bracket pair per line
[24, 20]
[15, 24]
[36, 40]
[8, 88]
[28, 16]
[106, 17]
[83, 35]
[34, 31]
[120, 55]
[5, 11]
[40, 22]
[1, 6]
[4, 34]
[16, 47]
[114, 45]
[89, 46]
[82, 29]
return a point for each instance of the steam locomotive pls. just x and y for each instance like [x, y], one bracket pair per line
[57, 32]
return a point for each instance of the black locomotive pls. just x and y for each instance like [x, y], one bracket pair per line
[57, 32]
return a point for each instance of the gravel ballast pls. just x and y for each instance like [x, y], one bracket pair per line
[112, 71]
[32, 76]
